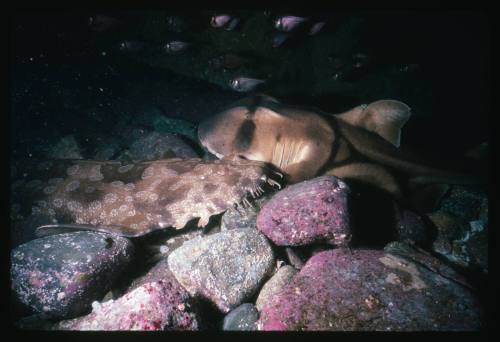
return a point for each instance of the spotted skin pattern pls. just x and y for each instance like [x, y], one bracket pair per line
[135, 198]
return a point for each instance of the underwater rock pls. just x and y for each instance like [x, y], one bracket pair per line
[274, 285]
[107, 148]
[160, 146]
[462, 243]
[158, 272]
[66, 148]
[463, 202]
[242, 318]
[158, 305]
[161, 245]
[370, 290]
[410, 227]
[241, 218]
[462, 228]
[310, 211]
[61, 275]
[226, 268]
[418, 255]
[154, 118]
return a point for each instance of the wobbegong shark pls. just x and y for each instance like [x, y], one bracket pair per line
[360, 145]
[130, 198]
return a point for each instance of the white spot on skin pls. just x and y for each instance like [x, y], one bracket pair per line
[113, 213]
[129, 199]
[61, 296]
[96, 178]
[142, 195]
[73, 170]
[117, 184]
[57, 202]
[153, 197]
[41, 204]
[95, 173]
[125, 168]
[168, 172]
[55, 181]
[129, 186]
[110, 198]
[71, 186]
[74, 206]
[95, 205]
[49, 189]
[131, 213]
[148, 173]
[123, 207]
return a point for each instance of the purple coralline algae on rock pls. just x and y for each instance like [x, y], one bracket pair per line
[370, 290]
[159, 305]
[226, 268]
[307, 212]
[61, 275]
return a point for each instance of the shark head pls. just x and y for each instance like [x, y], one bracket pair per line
[228, 132]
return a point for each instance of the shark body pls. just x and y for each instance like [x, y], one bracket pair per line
[361, 144]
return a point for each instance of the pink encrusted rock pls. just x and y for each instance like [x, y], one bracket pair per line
[61, 275]
[307, 212]
[158, 305]
[370, 290]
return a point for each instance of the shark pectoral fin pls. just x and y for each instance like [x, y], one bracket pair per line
[427, 197]
[372, 174]
[386, 118]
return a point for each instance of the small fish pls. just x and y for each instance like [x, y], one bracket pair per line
[100, 23]
[131, 46]
[316, 28]
[279, 38]
[232, 24]
[220, 20]
[288, 23]
[244, 84]
[176, 46]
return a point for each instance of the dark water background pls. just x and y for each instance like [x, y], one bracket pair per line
[61, 83]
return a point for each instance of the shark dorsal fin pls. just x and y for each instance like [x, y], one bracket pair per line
[384, 117]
